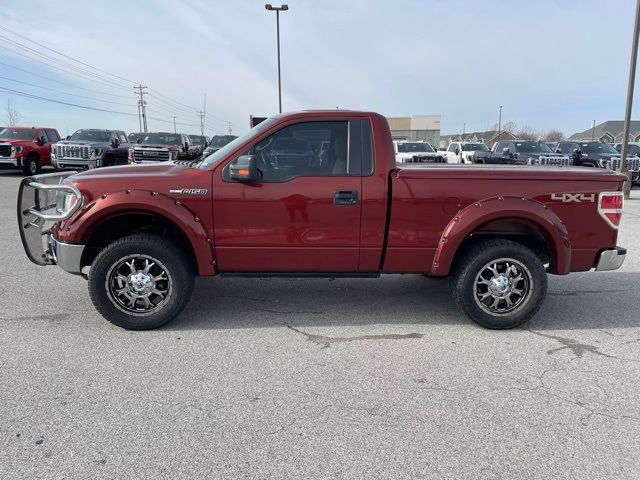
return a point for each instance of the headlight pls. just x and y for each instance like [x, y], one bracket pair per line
[96, 152]
[16, 151]
[602, 163]
[65, 201]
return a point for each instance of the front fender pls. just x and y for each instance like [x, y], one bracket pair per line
[78, 228]
[480, 213]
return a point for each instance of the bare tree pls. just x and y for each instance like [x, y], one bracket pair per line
[509, 126]
[12, 116]
[527, 133]
[553, 136]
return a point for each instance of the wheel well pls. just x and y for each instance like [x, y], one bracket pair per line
[129, 224]
[517, 230]
[32, 154]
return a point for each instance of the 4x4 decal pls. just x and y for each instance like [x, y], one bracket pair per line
[574, 197]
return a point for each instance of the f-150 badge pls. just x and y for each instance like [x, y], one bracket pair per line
[573, 197]
[190, 191]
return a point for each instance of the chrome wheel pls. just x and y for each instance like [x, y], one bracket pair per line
[139, 284]
[502, 286]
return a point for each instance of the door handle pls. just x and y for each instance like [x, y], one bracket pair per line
[345, 197]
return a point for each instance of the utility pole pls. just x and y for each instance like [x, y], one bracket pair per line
[229, 127]
[500, 122]
[622, 168]
[281, 8]
[174, 125]
[142, 112]
[464, 128]
[593, 130]
[201, 113]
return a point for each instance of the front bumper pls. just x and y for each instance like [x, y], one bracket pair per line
[10, 162]
[611, 259]
[64, 163]
[37, 212]
[66, 255]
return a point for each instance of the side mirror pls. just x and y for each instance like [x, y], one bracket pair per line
[577, 152]
[41, 141]
[139, 140]
[244, 169]
[457, 151]
[68, 137]
[115, 143]
[558, 150]
[186, 147]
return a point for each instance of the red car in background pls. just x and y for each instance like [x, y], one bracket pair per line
[28, 148]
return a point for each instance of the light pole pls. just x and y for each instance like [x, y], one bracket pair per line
[622, 167]
[593, 130]
[499, 122]
[281, 8]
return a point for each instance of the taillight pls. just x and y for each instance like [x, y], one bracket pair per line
[610, 207]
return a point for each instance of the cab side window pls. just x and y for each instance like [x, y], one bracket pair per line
[452, 147]
[307, 149]
[53, 135]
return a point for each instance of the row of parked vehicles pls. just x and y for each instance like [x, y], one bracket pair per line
[592, 154]
[31, 148]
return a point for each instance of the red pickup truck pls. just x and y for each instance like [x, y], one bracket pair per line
[28, 148]
[319, 193]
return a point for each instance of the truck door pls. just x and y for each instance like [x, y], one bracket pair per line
[303, 213]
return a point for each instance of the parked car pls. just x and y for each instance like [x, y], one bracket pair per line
[597, 155]
[28, 148]
[494, 158]
[217, 142]
[634, 148]
[162, 146]
[415, 151]
[91, 148]
[282, 211]
[633, 160]
[200, 142]
[136, 137]
[531, 152]
[462, 152]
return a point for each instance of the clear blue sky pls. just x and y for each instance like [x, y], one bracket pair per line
[552, 64]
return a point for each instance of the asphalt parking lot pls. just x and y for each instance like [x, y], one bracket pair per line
[284, 378]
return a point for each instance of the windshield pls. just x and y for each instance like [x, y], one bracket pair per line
[229, 147]
[472, 147]
[22, 133]
[532, 147]
[221, 140]
[413, 147]
[91, 136]
[133, 137]
[198, 139]
[162, 139]
[597, 148]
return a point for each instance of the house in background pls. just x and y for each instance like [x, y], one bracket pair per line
[610, 131]
[489, 138]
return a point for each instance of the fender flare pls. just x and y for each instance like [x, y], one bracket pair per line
[479, 213]
[80, 227]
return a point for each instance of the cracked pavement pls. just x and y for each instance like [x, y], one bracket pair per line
[309, 378]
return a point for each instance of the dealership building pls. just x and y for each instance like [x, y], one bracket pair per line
[416, 127]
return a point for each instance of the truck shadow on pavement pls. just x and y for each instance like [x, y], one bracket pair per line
[578, 301]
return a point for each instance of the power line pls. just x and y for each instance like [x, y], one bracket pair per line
[62, 82]
[63, 93]
[63, 55]
[30, 95]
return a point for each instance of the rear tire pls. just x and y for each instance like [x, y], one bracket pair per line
[141, 282]
[32, 165]
[499, 284]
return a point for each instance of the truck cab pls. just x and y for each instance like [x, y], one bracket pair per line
[28, 148]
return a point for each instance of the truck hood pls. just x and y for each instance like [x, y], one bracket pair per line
[163, 178]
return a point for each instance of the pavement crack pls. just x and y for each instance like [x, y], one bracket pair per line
[291, 312]
[577, 348]
[326, 341]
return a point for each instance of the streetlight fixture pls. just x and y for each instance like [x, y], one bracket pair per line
[281, 8]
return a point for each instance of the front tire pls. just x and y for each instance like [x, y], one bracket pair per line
[32, 165]
[499, 284]
[141, 282]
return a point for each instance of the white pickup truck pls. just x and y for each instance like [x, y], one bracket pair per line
[462, 152]
[419, 151]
